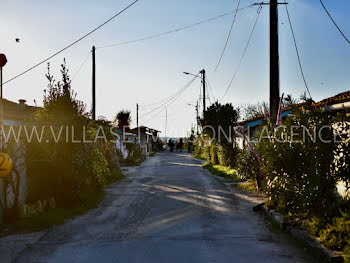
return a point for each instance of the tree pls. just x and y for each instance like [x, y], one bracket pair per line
[251, 111]
[123, 118]
[67, 162]
[218, 124]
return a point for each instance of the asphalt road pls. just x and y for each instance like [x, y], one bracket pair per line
[168, 210]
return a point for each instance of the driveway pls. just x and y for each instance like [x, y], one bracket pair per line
[167, 210]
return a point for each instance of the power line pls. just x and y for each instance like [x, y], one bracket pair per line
[164, 103]
[245, 50]
[228, 36]
[161, 101]
[297, 50]
[81, 66]
[174, 30]
[210, 89]
[341, 32]
[72, 44]
[178, 93]
[174, 99]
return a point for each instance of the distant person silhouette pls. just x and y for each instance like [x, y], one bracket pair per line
[181, 143]
[171, 145]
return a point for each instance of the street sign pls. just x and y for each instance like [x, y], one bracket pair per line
[6, 165]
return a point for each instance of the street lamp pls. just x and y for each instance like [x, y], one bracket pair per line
[196, 106]
[202, 72]
[187, 73]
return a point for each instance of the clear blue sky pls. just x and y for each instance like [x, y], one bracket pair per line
[149, 71]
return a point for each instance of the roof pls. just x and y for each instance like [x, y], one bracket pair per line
[258, 119]
[16, 111]
[144, 130]
[125, 129]
[339, 98]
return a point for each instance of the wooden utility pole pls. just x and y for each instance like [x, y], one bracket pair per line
[93, 84]
[166, 123]
[197, 117]
[274, 61]
[137, 115]
[203, 82]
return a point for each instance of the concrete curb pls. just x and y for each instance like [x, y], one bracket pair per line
[303, 236]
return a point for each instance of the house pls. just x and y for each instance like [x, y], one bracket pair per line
[147, 138]
[126, 137]
[16, 186]
[338, 104]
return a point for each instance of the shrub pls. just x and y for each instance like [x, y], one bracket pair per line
[337, 234]
[214, 154]
[247, 165]
[299, 173]
[221, 171]
[206, 153]
[314, 224]
[230, 154]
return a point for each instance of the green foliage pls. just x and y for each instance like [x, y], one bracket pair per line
[221, 171]
[92, 163]
[249, 186]
[57, 166]
[214, 154]
[221, 119]
[337, 234]
[229, 154]
[56, 216]
[314, 224]
[206, 153]
[247, 166]
[218, 123]
[347, 253]
[297, 168]
[123, 118]
[341, 163]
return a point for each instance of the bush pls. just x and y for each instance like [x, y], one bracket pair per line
[337, 234]
[206, 153]
[221, 171]
[229, 154]
[314, 224]
[69, 171]
[299, 174]
[214, 154]
[247, 165]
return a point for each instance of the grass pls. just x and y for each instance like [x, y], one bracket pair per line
[152, 154]
[132, 162]
[198, 156]
[117, 175]
[249, 186]
[222, 171]
[55, 216]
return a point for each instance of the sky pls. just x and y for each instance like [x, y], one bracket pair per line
[149, 71]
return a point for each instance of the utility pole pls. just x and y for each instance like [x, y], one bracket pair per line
[93, 84]
[203, 82]
[274, 61]
[197, 117]
[166, 122]
[137, 115]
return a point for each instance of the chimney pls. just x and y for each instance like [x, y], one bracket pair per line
[22, 104]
